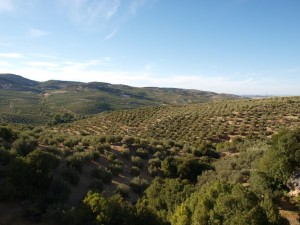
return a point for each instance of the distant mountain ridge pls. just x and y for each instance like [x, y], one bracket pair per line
[12, 81]
[22, 98]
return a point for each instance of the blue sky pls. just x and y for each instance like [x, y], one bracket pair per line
[228, 46]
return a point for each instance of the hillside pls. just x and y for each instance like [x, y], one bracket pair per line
[30, 102]
[195, 123]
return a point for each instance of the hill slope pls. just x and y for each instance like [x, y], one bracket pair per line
[195, 123]
[30, 102]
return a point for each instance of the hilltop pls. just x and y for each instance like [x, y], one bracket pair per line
[31, 102]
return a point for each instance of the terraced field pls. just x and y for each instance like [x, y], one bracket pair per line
[196, 123]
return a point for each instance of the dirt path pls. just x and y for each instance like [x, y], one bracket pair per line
[289, 211]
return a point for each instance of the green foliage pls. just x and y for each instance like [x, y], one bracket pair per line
[197, 124]
[184, 167]
[113, 210]
[135, 171]
[102, 173]
[281, 160]
[77, 160]
[72, 141]
[62, 118]
[163, 195]
[137, 161]
[154, 166]
[6, 134]
[223, 203]
[138, 184]
[143, 153]
[23, 104]
[169, 167]
[122, 190]
[30, 175]
[24, 145]
[116, 169]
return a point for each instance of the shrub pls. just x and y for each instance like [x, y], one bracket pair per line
[102, 173]
[123, 190]
[125, 154]
[137, 161]
[116, 169]
[24, 145]
[154, 166]
[138, 184]
[135, 171]
[143, 153]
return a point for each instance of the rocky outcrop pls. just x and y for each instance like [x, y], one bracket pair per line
[294, 185]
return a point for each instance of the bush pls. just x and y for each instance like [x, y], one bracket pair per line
[123, 190]
[102, 173]
[154, 166]
[24, 145]
[110, 156]
[71, 142]
[125, 154]
[116, 169]
[137, 161]
[138, 184]
[75, 161]
[143, 153]
[135, 171]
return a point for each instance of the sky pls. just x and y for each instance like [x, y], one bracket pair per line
[225, 46]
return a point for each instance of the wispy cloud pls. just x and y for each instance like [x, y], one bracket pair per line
[34, 33]
[111, 35]
[135, 5]
[6, 5]
[292, 70]
[11, 55]
[85, 65]
[41, 64]
[89, 11]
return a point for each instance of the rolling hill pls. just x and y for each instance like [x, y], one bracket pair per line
[195, 123]
[31, 102]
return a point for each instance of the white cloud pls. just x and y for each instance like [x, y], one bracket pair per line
[11, 55]
[135, 5]
[41, 64]
[150, 66]
[5, 64]
[33, 33]
[89, 11]
[6, 5]
[86, 72]
[111, 35]
[85, 65]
